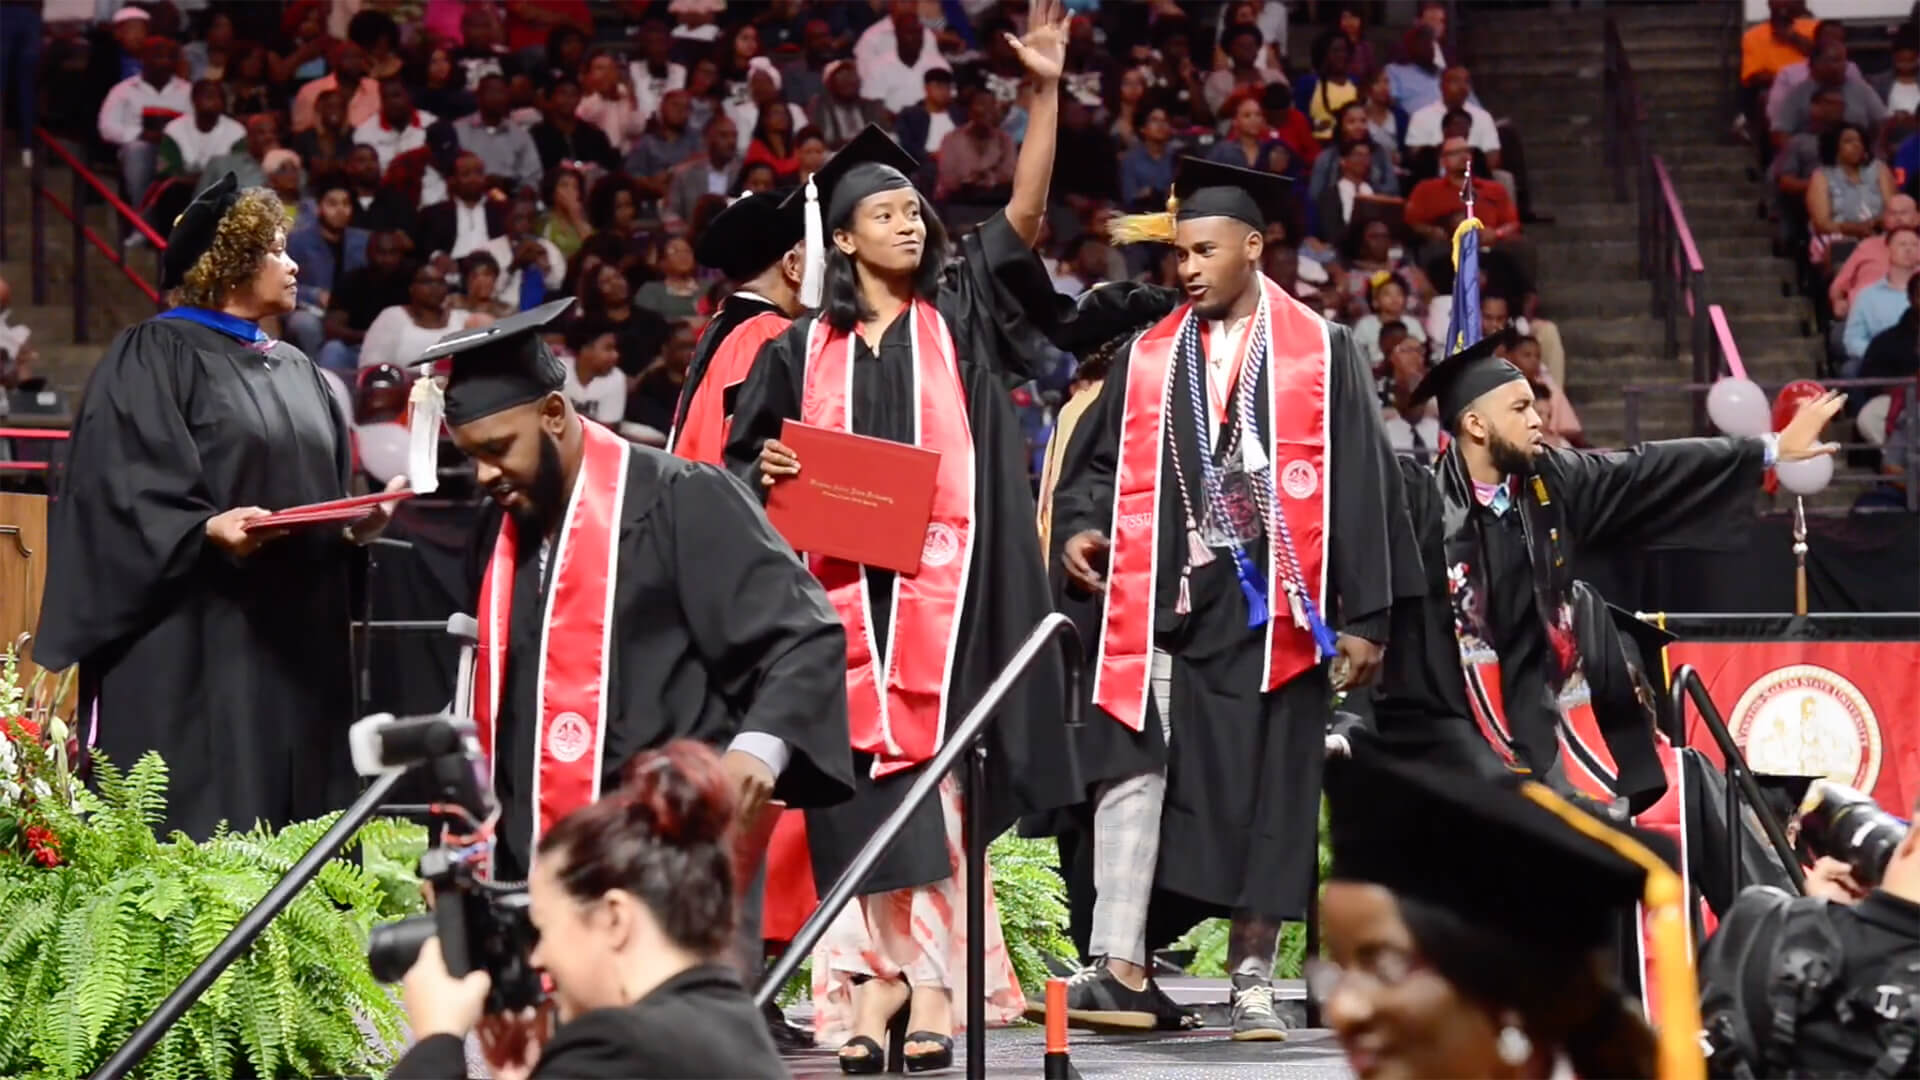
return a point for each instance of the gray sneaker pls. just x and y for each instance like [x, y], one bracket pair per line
[1253, 1017]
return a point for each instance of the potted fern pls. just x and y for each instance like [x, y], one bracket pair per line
[100, 920]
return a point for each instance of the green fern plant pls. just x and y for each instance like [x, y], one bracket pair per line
[1031, 898]
[88, 949]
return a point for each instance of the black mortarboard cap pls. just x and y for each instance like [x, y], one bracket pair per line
[1211, 189]
[752, 234]
[1646, 637]
[870, 163]
[194, 230]
[1465, 375]
[501, 365]
[1477, 849]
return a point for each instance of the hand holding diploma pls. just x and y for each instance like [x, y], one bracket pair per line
[777, 462]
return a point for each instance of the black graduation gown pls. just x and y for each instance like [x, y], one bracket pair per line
[1240, 822]
[698, 1025]
[238, 672]
[734, 310]
[996, 299]
[1679, 493]
[694, 659]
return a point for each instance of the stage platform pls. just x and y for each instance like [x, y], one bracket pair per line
[1308, 1053]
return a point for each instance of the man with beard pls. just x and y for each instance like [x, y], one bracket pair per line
[756, 242]
[1506, 517]
[627, 598]
[1238, 506]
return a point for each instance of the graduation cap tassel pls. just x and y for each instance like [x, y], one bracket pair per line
[1251, 587]
[813, 277]
[426, 405]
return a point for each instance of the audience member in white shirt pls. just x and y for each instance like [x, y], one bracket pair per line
[654, 73]
[402, 332]
[122, 123]
[595, 384]
[893, 57]
[1456, 92]
[399, 128]
[189, 142]
[763, 91]
[609, 103]
[520, 249]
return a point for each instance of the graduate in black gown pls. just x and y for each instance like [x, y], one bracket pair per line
[227, 652]
[913, 346]
[626, 597]
[1238, 509]
[1514, 515]
[756, 242]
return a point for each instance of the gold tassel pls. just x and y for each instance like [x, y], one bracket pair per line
[1677, 1023]
[1145, 228]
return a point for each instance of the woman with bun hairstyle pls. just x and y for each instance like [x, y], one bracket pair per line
[633, 899]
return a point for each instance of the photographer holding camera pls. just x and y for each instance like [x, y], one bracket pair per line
[632, 902]
[1827, 984]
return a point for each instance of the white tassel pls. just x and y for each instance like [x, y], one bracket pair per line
[426, 406]
[813, 278]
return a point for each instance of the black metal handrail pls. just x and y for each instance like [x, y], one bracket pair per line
[964, 742]
[1740, 783]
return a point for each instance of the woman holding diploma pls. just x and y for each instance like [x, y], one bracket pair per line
[225, 650]
[914, 345]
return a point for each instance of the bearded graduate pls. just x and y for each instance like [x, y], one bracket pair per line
[917, 347]
[1514, 517]
[1240, 511]
[226, 651]
[627, 597]
[757, 243]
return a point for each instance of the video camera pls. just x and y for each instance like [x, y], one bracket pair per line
[1836, 821]
[482, 926]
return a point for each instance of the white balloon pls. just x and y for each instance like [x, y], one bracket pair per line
[341, 393]
[1807, 476]
[1737, 407]
[383, 450]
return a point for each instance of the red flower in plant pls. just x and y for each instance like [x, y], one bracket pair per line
[23, 725]
[44, 845]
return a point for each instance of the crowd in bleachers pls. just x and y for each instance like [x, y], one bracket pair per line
[443, 163]
[1832, 110]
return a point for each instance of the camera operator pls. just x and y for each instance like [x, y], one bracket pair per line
[633, 899]
[1827, 984]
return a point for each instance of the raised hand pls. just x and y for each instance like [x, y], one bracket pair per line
[1044, 49]
[1800, 439]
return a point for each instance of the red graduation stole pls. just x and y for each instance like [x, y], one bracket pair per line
[1298, 366]
[703, 436]
[576, 637]
[896, 704]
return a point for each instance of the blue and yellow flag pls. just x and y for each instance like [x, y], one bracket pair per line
[1463, 323]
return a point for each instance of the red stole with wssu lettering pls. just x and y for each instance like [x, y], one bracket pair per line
[576, 636]
[1297, 369]
[702, 436]
[896, 702]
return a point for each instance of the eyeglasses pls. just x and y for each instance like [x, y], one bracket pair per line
[1382, 968]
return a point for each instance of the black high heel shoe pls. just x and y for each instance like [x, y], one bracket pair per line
[929, 1060]
[874, 1061]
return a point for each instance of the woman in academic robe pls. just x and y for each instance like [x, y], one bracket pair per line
[633, 898]
[225, 651]
[914, 347]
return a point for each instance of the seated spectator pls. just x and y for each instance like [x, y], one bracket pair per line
[1434, 207]
[248, 93]
[1768, 48]
[443, 90]
[286, 179]
[1389, 301]
[1362, 65]
[1456, 93]
[756, 177]
[1411, 429]
[772, 143]
[503, 146]
[327, 250]
[565, 224]
[1085, 264]
[1868, 263]
[976, 159]
[138, 109]
[468, 218]
[894, 55]
[763, 87]
[1242, 71]
[1900, 86]
[481, 52]
[402, 332]
[676, 292]
[606, 305]
[923, 126]
[1881, 304]
[479, 284]
[594, 382]
[359, 94]
[609, 104]
[1248, 143]
[188, 142]
[657, 391]
[670, 140]
[563, 136]
[1847, 195]
[376, 32]
[531, 266]
[1559, 423]
[1371, 252]
[1329, 88]
[1350, 188]
[1085, 172]
[398, 128]
[1415, 74]
[703, 93]
[1352, 125]
[247, 161]
[1895, 354]
[359, 296]
[1794, 166]
[375, 208]
[654, 74]
[1130, 110]
[208, 56]
[305, 28]
[1829, 69]
[1146, 171]
[1289, 126]
[1386, 120]
[804, 74]
[324, 147]
[715, 173]
[810, 151]
[839, 111]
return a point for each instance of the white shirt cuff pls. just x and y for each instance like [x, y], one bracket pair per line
[768, 748]
[1771, 444]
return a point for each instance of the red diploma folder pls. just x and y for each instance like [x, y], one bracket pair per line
[353, 509]
[750, 839]
[857, 498]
